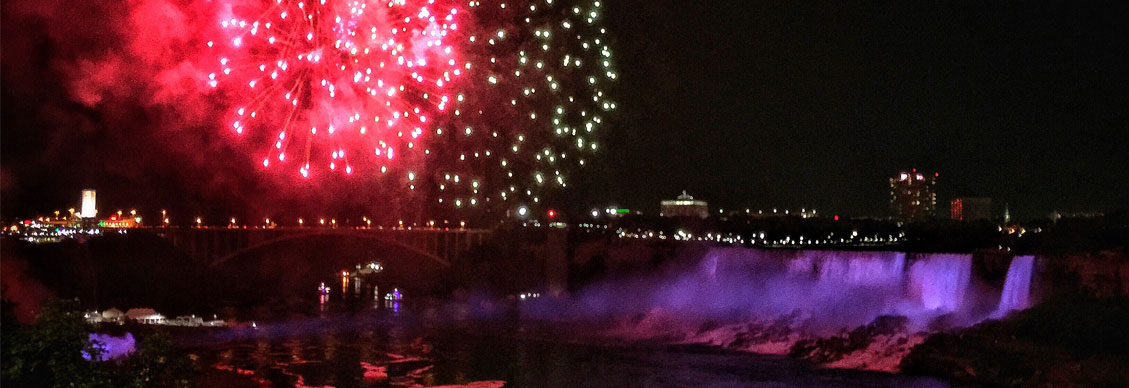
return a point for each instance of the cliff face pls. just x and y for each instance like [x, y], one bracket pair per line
[1101, 274]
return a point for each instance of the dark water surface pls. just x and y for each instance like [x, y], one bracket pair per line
[382, 345]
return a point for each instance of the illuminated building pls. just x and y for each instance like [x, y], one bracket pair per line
[115, 222]
[88, 209]
[912, 195]
[685, 206]
[971, 209]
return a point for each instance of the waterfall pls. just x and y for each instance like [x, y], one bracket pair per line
[1017, 287]
[839, 287]
[939, 281]
[863, 268]
[801, 267]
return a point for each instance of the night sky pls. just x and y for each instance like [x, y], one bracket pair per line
[741, 103]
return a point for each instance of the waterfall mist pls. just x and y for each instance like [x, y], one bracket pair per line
[823, 291]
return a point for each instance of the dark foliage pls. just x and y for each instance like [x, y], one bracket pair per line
[1068, 341]
[49, 353]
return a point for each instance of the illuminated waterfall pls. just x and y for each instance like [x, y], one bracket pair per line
[940, 281]
[1017, 287]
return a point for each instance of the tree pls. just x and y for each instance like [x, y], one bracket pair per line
[49, 352]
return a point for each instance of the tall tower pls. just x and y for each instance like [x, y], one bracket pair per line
[912, 195]
[88, 208]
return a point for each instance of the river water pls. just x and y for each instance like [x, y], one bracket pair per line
[377, 343]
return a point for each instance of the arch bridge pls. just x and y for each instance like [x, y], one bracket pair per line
[215, 246]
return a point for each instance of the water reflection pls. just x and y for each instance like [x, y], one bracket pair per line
[374, 335]
[344, 283]
[409, 342]
[329, 350]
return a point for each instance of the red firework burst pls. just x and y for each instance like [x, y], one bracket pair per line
[337, 84]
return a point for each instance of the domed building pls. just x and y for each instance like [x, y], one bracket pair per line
[113, 315]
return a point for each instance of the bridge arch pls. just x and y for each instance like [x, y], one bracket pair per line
[292, 263]
[363, 235]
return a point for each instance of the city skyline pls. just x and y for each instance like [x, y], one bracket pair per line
[904, 201]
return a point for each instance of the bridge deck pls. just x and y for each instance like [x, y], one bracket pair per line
[212, 245]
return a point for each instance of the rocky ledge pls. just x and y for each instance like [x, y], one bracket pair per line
[1066, 342]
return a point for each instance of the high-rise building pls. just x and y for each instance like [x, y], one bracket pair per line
[685, 206]
[971, 209]
[88, 208]
[912, 195]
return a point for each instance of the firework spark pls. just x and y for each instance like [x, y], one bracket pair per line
[475, 102]
[334, 83]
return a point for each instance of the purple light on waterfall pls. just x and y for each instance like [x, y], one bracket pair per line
[817, 290]
[863, 268]
[1017, 287]
[940, 281]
